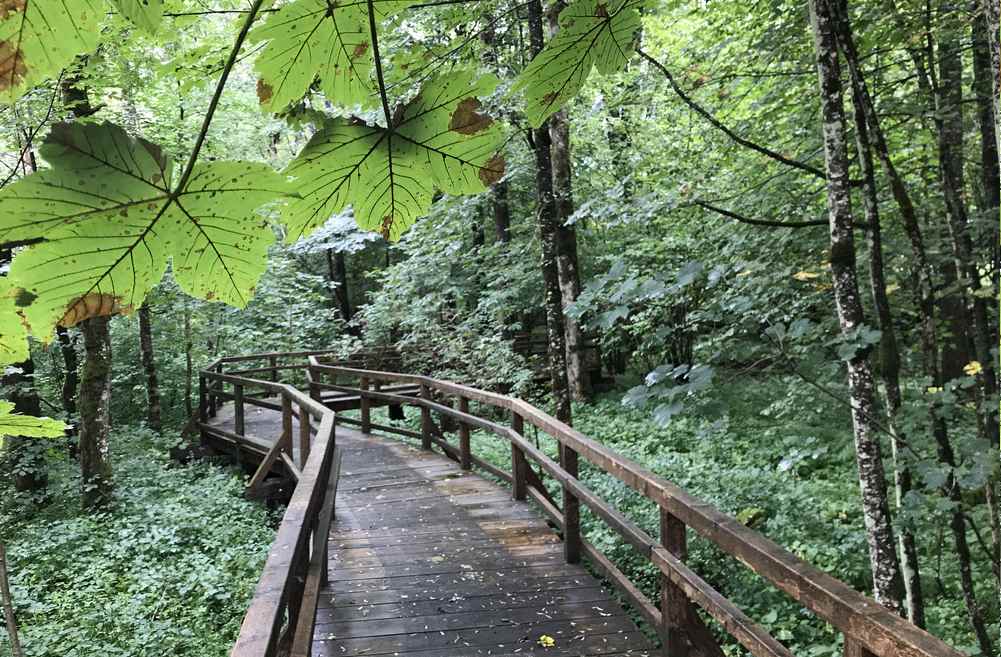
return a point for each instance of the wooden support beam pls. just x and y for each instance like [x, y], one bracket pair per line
[425, 419]
[238, 410]
[287, 421]
[519, 466]
[571, 507]
[465, 452]
[674, 605]
[365, 403]
[305, 436]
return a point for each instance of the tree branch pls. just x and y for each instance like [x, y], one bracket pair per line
[759, 222]
[378, 65]
[813, 171]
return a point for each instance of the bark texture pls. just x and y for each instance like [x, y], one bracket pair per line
[8, 606]
[887, 581]
[95, 418]
[153, 407]
[889, 362]
[548, 226]
[71, 376]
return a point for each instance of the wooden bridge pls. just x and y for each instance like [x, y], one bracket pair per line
[426, 558]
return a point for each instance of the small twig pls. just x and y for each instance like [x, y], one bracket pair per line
[8, 605]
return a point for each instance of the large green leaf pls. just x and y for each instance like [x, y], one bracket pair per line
[38, 38]
[147, 14]
[593, 33]
[110, 219]
[13, 335]
[13, 424]
[307, 39]
[440, 141]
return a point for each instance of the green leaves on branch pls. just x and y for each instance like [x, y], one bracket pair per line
[38, 38]
[593, 33]
[12, 424]
[439, 141]
[331, 40]
[110, 217]
[147, 14]
[13, 334]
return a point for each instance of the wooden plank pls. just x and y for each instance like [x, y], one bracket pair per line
[290, 465]
[465, 452]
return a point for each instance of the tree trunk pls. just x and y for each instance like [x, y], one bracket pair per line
[71, 378]
[950, 99]
[887, 582]
[189, 369]
[95, 420]
[889, 361]
[548, 227]
[337, 270]
[992, 19]
[153, 415]
[8, 606]
[502, 212]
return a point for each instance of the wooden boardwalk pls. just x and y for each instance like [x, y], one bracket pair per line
[428, 560]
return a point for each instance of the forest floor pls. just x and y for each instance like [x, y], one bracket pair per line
[170, 569]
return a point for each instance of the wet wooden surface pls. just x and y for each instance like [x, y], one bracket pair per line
[427, 560]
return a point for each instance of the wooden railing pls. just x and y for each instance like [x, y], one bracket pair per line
[282, 612]
[868, 628]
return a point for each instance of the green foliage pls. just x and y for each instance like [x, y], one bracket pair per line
[13, 334]
[168, 570]
[38, 38]
[147, 14]
[14, 424]
[593, 33]
[389, 176]
[307, 39]
[104, 250]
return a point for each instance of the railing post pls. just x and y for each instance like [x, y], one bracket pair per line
[571, 508]
[518, 463]
[853, 648]
[674, 604]
[213, 389]
[273, 364]
[425, 419]
[312, 377]
[203, 400]
[238, 411]
[304, 436]
[465, 454]
[287, 423]
[366, 407]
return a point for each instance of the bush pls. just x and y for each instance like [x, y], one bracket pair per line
[169, 570]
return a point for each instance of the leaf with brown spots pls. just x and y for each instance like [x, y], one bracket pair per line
[390, 177]
[592, 34]
[39, 38]
[111, 221]
[310, 39]
[147, 14]
[13, 334]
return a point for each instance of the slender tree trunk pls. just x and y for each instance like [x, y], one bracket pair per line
[992, 19]
[8, 606]
[502, 212]
[889, 361]
[71, 378]
[337, 271]
[188, 363]
[95, 419]
[548, 227]
[153, 414]
[985, 33]
[887, 582]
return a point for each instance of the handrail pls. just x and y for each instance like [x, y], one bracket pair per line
[869, 628]
[282, 612]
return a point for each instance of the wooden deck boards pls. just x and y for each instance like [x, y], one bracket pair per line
[427, 560]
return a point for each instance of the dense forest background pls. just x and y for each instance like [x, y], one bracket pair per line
[677, 274]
